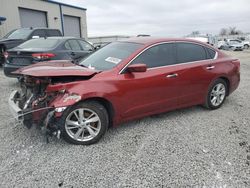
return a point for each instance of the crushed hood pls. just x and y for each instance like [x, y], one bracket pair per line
[55, 69]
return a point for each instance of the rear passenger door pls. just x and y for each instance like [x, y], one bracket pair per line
[194, 66]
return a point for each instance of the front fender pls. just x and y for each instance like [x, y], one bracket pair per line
[65, 100]
[69, 99]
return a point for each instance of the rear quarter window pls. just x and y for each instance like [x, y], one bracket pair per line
[211, 53]
[53, 33]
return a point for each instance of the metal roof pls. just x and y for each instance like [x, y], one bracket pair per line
[64, 4]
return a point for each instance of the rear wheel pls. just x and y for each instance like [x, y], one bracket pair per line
[84, 123]
[216, 94]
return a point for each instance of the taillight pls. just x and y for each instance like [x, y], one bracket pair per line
[43, 56]
[6, 55]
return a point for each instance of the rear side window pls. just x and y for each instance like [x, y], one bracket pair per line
[188, 52]
[157, 56]
[85, 46]
[72, 45]
[211, 53]
[40, 43]
[39, 33]
[53, 33]
[67, 45]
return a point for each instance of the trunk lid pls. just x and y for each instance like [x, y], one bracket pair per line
[20, 57]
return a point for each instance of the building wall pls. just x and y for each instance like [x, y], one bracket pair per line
[78, 13]
[9, 9]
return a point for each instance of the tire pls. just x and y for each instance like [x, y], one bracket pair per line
[246, 46]
[88, 132]
[217, 94]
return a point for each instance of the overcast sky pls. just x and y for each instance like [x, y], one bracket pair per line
[163, 17]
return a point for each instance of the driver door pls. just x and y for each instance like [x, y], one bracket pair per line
[153, 91]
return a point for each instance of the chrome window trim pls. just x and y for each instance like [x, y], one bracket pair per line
[191, 62]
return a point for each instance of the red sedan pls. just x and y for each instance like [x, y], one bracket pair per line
[120, 82]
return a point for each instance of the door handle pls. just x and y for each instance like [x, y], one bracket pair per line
[172, 75]
[210, 67]
[72, 53]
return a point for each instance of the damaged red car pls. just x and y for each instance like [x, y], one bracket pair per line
[120, 82]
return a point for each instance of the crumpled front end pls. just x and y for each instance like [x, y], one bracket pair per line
[38, 103]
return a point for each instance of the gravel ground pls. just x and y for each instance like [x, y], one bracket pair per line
[192, 147]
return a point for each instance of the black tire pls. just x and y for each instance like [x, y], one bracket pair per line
[208, 104]
[94, 106]
[246, 46]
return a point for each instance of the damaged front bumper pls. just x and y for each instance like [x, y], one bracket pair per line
[47, 121]
[15, 110]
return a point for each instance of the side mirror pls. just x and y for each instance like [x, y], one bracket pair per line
[35, 37]
[137, 68]
[97, 47]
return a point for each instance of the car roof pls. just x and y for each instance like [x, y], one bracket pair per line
[60, 38]
[34, 28]
[153, 40]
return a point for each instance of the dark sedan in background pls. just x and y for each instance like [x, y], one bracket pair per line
[19, 36]
[45, 49]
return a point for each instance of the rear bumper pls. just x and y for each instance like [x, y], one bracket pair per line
[16, 112]
[8, 69]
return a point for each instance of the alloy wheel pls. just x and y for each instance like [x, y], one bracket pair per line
[218, 94]
[83, 124]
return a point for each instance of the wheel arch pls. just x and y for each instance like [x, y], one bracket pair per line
[227, 82]
[107, 104]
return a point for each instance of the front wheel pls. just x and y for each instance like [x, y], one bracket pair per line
[84, 123]
[246, 46]
[216, 94]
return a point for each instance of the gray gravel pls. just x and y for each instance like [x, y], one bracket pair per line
[192, 147]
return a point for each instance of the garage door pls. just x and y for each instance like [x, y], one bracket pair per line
[32, 18]
[72, 26]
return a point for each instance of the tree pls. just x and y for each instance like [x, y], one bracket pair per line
[223, 31]
[230, 31]
[195, 33]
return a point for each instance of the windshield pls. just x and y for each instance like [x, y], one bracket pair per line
[109, 56]
[40, 43]
[19, 34]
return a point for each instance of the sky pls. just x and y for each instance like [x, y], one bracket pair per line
[171, 18]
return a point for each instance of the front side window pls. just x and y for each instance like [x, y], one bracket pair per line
[157, 56]
[188, 52]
